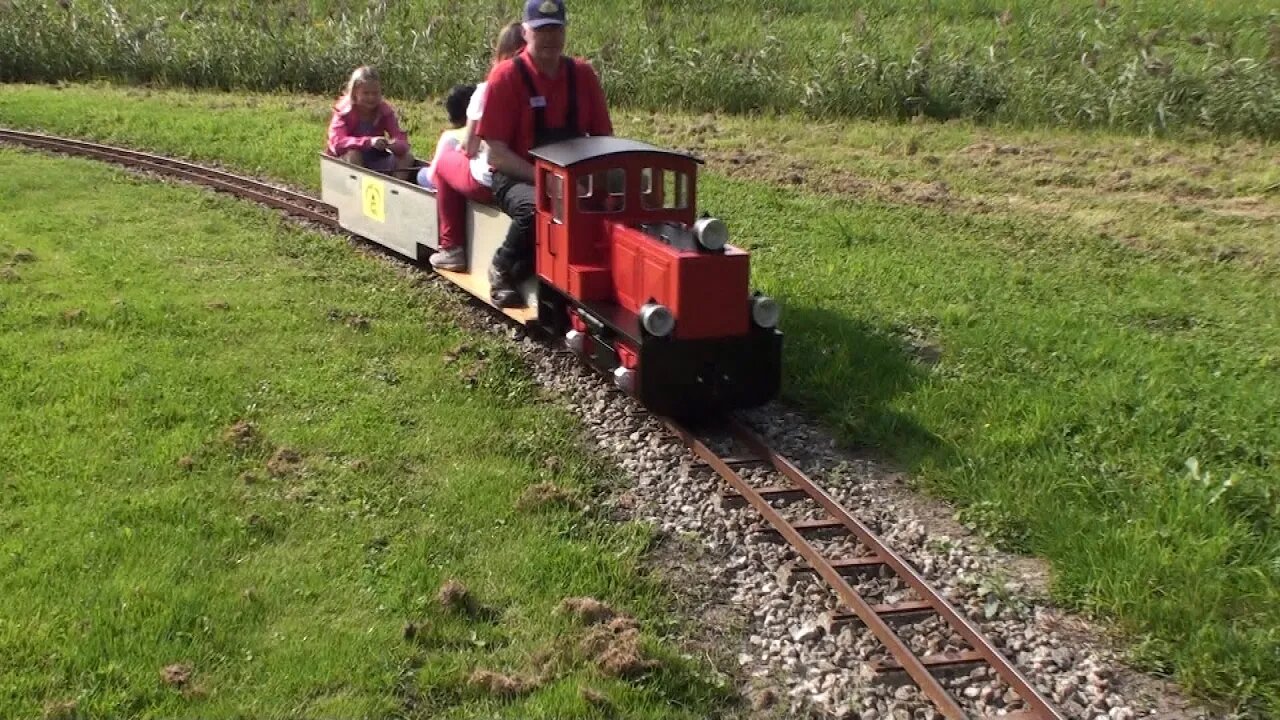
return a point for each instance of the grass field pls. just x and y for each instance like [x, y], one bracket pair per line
[1086, 365]
[240, 459]
[1187, 64]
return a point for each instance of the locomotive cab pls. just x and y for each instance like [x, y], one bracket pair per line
[644, 289]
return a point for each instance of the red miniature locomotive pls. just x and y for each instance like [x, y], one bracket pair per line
[626, 272]
[643, 288]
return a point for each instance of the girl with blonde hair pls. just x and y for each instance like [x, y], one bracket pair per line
[364, 130]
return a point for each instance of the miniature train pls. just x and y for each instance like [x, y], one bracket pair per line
[626, 272]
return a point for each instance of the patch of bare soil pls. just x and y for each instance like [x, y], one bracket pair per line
[454, 596]
[616, 650]
[612, 641]
[546, 495]
[586, 610]
[284, 463]
[499, 685]
[177, 675]
[242, 435]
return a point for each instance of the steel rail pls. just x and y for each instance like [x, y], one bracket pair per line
[916, 669]
[281, 199]
[1034, 701]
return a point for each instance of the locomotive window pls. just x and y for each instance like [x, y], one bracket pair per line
[604, 191]
[651, 188]
[675, 190]
[662, 189]
[555, 195]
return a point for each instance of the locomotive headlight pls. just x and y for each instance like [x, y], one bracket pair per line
[657, 319]
[765, 311]
[711, 232]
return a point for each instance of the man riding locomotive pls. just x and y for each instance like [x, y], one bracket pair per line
[539, 97]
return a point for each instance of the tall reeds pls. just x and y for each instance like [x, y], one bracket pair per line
[1216, 69]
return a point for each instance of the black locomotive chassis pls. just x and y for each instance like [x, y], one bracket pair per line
[684, 379]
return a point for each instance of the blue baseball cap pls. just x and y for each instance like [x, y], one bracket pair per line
[539, 13]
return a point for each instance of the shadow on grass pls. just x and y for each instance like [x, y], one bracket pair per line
[849, 373]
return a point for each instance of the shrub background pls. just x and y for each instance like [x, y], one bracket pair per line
[1171, 66]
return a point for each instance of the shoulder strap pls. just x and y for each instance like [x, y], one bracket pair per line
[571, 110]
[540, 110]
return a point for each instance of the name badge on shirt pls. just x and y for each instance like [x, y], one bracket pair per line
[538, 102]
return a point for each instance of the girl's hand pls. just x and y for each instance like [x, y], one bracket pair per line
[471, 141]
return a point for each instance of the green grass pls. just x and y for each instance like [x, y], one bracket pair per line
[138, 321]
[1082, 365]
[1133, 65]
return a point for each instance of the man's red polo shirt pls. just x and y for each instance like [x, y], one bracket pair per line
[508, 117]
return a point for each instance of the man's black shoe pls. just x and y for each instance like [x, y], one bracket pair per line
[501, 291]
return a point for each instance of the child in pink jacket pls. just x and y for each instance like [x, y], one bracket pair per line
[364, 130]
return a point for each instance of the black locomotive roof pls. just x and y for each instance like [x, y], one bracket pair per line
[571, 152]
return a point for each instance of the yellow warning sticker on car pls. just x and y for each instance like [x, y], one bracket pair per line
[374, 196]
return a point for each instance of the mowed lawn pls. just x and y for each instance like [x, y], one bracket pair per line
[239, 461]
[1073, 336]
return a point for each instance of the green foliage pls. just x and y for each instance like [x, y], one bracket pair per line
[1128, 65]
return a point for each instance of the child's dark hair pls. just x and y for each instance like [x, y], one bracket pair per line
[455, 104]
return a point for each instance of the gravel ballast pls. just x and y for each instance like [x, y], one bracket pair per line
[788, 651]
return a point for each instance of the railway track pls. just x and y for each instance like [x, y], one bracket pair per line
[774, 488]
[775, 480]
[255, 190]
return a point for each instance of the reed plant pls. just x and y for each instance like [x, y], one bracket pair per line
[1140, 67]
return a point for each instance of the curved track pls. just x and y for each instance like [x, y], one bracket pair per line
[255, 190]
[735, 447]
